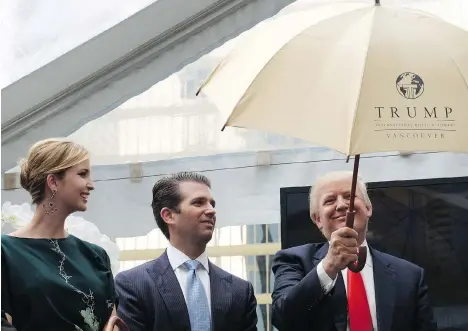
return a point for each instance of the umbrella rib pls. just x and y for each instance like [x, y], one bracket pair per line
[459, 70]
[444, 48]
[360, 86]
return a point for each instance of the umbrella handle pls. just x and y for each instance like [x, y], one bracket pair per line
[358, 265]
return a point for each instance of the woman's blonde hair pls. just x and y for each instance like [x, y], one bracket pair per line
[46, 157]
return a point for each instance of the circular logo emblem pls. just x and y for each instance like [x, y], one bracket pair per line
[410, 85]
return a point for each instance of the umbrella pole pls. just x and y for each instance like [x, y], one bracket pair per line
[350, 213]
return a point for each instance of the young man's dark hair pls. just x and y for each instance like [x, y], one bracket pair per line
[166, 194]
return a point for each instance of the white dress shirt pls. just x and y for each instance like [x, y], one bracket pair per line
[367, 276]
[177, 259]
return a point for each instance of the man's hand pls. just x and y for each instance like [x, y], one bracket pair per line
[342, 251]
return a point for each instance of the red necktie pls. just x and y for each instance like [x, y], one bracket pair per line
[358, 307]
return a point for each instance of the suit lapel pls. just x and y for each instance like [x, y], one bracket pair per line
[169, 288]
[337, 294]
[340, 304]
[384, 282]
[221, 296]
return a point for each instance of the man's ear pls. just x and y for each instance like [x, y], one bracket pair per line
[316, 219]
[369, 211]
[167, 215]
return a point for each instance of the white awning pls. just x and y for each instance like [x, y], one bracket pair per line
[124, 61]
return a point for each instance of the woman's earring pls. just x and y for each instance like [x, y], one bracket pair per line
[50, 206]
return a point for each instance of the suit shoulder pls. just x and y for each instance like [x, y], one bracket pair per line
[401, 264]
[236, 281]
[299, 251]
[135, 271]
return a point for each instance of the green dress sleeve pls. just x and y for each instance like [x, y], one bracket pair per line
[6, 308]
[56, 284]
[111, 284]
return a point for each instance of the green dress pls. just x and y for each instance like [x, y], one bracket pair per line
[56, 284]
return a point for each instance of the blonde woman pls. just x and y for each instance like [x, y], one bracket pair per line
[52, 280]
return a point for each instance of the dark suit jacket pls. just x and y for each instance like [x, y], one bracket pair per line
[299, 302]
[150, 298]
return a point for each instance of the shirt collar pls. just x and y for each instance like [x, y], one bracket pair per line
[177, 258]
[369, 256]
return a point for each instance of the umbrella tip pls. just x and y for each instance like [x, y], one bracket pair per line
[377, 2]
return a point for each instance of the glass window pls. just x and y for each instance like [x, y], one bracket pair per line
[252, 277]
[251, 261]
[271, 277]
[274, 233]
[251, 234]
[264, 318]
[260, 233]
[262, 324]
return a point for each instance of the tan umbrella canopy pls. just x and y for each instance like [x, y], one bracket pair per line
[355, 77]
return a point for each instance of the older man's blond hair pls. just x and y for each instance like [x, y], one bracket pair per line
[361, 188]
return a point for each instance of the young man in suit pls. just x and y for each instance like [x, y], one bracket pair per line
[314, 290]
[182, 289]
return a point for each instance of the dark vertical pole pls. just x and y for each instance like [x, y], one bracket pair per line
[350, 220]
[362, 255]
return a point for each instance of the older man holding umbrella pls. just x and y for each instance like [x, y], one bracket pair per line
[357, 77]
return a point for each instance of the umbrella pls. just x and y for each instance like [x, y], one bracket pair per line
[354, 77]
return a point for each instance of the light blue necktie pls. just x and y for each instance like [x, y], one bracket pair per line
[197, 302]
